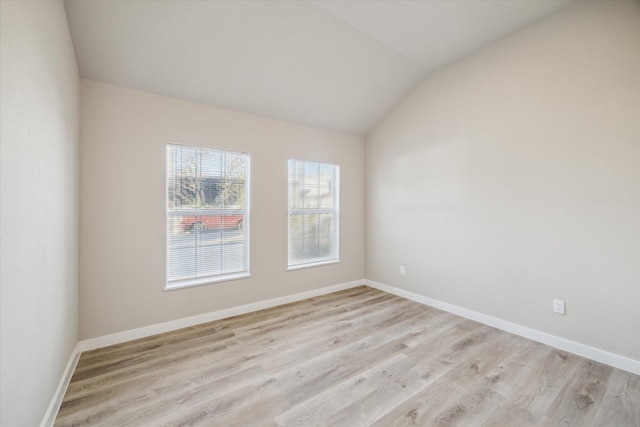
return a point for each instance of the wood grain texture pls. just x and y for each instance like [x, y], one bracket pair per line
[358, 357]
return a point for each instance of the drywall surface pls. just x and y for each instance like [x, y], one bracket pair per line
[39, 105]
[122, 248]
[512, 177]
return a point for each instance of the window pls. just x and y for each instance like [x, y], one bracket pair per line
[313, 213]
[207, 216]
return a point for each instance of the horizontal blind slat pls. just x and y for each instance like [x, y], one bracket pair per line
[207, 213]
[312, 212]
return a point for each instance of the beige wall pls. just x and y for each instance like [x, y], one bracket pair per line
[39, 106]
[122, 197]
[512, 177]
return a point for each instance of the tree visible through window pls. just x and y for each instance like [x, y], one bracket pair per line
[313, 213]
[207, 215]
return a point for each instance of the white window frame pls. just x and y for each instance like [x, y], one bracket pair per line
[213, 278]
[334, 257]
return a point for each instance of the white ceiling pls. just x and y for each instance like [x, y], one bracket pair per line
[338, 65]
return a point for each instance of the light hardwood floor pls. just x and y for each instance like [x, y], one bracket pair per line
[358, 357]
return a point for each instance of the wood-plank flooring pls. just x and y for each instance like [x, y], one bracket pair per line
[358, 357]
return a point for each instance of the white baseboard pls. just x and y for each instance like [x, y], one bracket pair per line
[598, 355]
[159, 328]
[52, 411]
[93, 343]
[592, 353]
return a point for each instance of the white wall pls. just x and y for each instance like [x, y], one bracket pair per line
[512, 177]
[122, 197]
[39, 106]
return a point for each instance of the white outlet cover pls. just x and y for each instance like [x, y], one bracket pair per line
[558, 306]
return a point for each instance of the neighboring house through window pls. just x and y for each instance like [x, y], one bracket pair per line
[207, 216]
[313, 213]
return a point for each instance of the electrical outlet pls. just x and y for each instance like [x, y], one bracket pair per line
[558, 306]
[402, 270]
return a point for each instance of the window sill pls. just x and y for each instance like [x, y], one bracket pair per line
[312, 264]
[189, 283]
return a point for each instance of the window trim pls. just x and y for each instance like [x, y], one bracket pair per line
[207, 280]
[313, 264]
[319, 261]
[201, 281]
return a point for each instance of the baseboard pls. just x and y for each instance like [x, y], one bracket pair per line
[159, 328]
[598, 355]
[52, 411]
[592, 353]
[93, 343]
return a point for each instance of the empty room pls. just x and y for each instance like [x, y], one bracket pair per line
[320, 213]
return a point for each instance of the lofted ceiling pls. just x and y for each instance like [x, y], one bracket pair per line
[338, 65]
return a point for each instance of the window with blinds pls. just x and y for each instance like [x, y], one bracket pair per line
[207, 216]
[313, 213]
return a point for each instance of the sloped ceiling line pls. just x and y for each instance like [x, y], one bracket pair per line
[336, 65]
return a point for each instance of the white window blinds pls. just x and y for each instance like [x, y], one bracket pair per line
[207, 215]
[313, 213]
